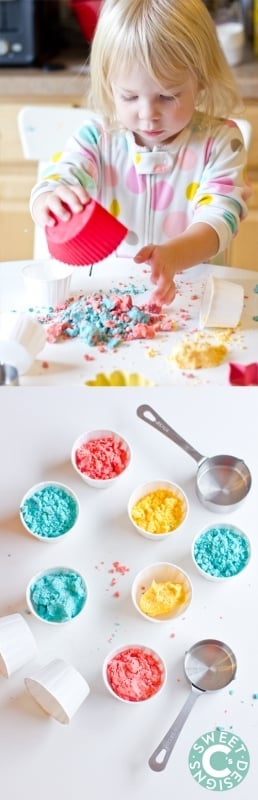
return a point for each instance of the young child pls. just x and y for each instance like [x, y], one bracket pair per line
[158, 150]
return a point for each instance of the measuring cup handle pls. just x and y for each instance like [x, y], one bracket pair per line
[150, 416]
[159, 758]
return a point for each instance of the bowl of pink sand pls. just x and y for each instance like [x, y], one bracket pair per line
[134, 673]
[100, 457]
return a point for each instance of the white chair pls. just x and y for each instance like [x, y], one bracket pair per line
[246, 130]
[43, 131]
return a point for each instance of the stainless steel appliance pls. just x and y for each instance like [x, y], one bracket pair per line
[29, 31]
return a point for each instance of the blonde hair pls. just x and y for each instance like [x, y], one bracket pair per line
[167, 37]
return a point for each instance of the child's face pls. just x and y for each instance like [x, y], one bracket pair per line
[154, 115]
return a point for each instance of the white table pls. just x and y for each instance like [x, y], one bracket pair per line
[152, 358]
[104, 751]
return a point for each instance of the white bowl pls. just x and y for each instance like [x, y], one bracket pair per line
[216, 550]
[87, 438]
[56, 604]
[141, 662]
[152, 487]
[221, 304]
[54, 512]
[162, 572]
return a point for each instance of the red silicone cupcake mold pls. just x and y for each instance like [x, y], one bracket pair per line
[87, 237]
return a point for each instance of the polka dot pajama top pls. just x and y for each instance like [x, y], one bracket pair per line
[158, 193]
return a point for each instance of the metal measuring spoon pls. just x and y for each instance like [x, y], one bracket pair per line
[209, 666]
[8, 375]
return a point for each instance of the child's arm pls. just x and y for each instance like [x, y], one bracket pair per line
[198, 243]
[218, 207]
[69, 180]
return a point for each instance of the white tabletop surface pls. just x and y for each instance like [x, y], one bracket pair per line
[64, 362]
[104, 751]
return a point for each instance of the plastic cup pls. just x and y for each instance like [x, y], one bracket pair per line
[17, 644]
[47, 282]
[59, 689]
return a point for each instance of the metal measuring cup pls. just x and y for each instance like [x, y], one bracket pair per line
[8, 375]
[222, 481]
[209, 666]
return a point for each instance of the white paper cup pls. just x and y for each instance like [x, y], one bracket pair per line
[26, 339]
[29, 333]
[221, 304]
[17, 644]
[59, 689]
[47, 282]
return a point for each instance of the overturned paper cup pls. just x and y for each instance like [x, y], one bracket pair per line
[59, 689]
[17, 644]
[221, 304]
[26, 339]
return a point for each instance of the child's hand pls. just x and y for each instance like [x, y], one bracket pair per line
[60, 203]
[162, 272]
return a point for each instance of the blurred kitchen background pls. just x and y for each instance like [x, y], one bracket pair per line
[33, 31]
